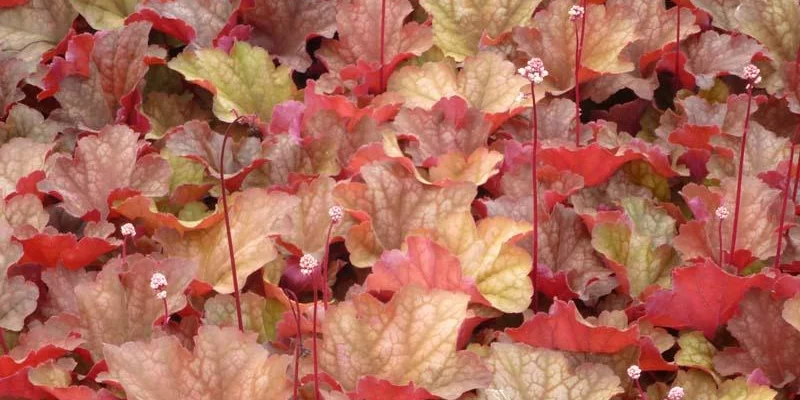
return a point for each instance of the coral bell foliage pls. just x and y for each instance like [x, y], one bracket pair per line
[399, 199]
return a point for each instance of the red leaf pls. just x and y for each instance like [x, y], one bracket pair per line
[703, 297]
[372, 388]
[564, 329]
[64, 249]
[594, 163]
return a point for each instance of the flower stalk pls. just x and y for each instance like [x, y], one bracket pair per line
[236, 296]
[575, 13]
[634, 372]
[309, 267]
[296, 314]
[336, 214]
[752, 74]
[158, 282]
[383, 45]
[128, 231]
[722, 214]
[535, 72]
[785, 202]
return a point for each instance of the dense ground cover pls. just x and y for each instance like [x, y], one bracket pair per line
[399, 199]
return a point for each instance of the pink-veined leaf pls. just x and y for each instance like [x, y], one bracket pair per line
[459, 26]
[283, 27]
[522, 372]
[487, 81]
[96, 81]
[411, 339]
[120, 306]
[488, 255]
[105, 14]
[225, 364]
[358, 21]
[255, 215]
[103, 163]
[638, 245]
[423, 263]
[243, 81]
[195, 22]
[712, 54]
[19, 158]
[756, 327]
[551, 37]
[31, 28]
[395, 204]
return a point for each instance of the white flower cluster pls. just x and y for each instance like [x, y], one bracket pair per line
[634, 372]
[308, 264]
[534, 71]
[128, 229]
[676, 393]
[751, 74]
[576, 12]
[336, 213]
[722, 212]
[158, 282]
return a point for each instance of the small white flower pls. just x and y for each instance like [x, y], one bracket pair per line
[336, 213]
[162, 294]
[576, 12]
[722, 212]
[676, 393]
[128, 229]
[158, 281]
[308, 264]
[752, 74]
[534, 71]
[634, 372]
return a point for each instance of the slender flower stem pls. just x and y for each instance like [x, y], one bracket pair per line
[236, 297]
[299, 343]
[578, 55]
[721, 251]
[3, 344]
[678, 44]
[383, 43]
[741, 170]
[535, 185]
[642, 394]
[325, 298]
[783, 207]
[166, 313]
[124, 250]
[314, 279]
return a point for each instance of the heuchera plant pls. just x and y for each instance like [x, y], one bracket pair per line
[399, 199]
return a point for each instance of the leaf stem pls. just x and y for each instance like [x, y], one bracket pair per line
[383, 44]
[535, 185]
[236, 297]
[741, 169]
[783, 206]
